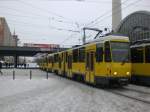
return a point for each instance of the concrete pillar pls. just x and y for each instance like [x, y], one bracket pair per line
[116, 13]
[15, 60]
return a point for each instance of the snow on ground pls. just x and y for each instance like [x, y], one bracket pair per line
[58, 95]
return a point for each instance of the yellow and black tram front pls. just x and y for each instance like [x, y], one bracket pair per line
[114, 66]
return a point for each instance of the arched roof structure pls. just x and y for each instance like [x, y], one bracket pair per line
[136, 26]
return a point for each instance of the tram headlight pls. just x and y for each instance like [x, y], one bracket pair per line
[128, 73]
[115, 73]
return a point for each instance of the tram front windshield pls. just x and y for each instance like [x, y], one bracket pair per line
[120, 51]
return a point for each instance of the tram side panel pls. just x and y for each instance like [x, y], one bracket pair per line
[140, 55]
[78, 63]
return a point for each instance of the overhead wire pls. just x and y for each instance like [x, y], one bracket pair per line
[36, 15]
[94, 19]
[104, 14]
[42, 26]
[68, 38]
[133, 3]
[86, 25]
[106, 17]
[60, 29]
[47, 11]
[31, 24]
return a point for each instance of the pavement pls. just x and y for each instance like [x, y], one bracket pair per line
[57, 94]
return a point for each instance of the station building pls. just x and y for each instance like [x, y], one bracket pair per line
[136, 26]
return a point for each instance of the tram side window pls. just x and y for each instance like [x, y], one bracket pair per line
[137, 55]
[69, 61]
[66, 56]
[46, 60]
[49, 59]
[87, 60]
[107, 52]
[56, 57]
[147, 54]
[62, 56]
[59, 58]
[81, 54]
[75, 55]
[99, 54]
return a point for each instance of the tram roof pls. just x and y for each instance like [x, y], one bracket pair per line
[96, 41]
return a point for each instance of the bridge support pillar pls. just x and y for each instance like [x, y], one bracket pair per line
[15, 61]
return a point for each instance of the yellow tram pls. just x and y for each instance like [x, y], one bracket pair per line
[140, 56]
[102, 62]
[43, 63]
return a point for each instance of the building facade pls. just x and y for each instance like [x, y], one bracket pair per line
[6, 38]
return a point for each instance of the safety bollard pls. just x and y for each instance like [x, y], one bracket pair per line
[13, 75]
[30, 74]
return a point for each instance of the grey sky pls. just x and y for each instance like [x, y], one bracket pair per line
[38, 21]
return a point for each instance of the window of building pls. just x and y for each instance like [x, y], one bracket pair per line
[81, 54]
[137, 55]
[147, 54]
[75, 55]
[107, 52]
[99, 53]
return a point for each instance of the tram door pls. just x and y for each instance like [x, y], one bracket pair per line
[52, 64]
[60, 66]
[90, 67]
[70, 65]
[59, 62]
[64, 63]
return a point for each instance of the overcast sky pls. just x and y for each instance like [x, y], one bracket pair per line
[48, 21]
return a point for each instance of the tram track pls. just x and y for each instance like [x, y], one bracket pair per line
[139, 91]
[131, 97]
[131, 93]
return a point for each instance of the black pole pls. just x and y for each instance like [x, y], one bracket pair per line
[13, 75]
[47, 74]
[30, 74]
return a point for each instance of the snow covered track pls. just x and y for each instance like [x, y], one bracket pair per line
[134, 95]
[139, 89]
[58, 94]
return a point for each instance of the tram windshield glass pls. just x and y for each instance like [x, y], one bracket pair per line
[120, 51]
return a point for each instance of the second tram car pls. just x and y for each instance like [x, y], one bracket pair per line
[140, 56]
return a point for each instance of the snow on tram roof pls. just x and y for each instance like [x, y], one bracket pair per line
[110, 37]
